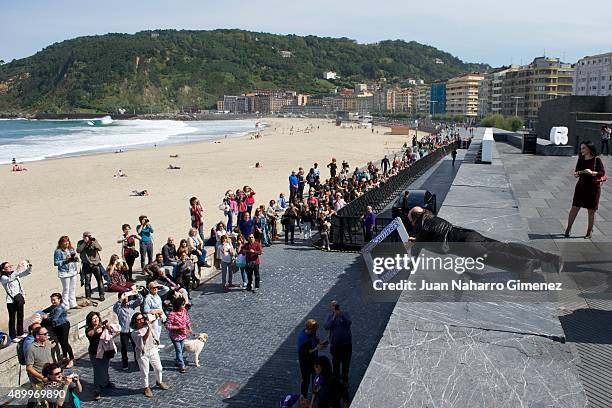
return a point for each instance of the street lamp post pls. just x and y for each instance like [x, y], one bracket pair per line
[516, 99]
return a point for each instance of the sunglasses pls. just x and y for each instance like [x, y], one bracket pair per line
[56, 373]
[43, 334]
[139, 318]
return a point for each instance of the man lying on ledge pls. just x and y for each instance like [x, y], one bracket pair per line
[509, 256]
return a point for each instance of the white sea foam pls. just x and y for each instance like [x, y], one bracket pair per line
[70, 138]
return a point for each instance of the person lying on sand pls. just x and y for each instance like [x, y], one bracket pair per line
[171, 167]
[140, 193]
[17, 167]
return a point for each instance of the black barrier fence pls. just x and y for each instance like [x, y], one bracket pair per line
[347, 225]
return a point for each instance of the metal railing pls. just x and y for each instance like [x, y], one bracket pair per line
[347, 225]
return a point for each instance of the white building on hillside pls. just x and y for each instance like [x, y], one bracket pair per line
[593, 75]
[329, 75]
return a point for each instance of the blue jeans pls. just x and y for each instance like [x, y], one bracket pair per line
[230, 221]
[178, 348]
[146, 248]
[201, 258]
[243, 274]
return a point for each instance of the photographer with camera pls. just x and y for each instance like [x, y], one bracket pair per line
[146, 352]
[58, 381]
[89, 249]
[145, 231]
[125, 308]
[15, 298]
[67, 262]
[101, 350]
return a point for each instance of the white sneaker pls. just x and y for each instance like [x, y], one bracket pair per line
[161, 346]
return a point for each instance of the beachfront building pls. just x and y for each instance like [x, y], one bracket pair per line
[462, 95]
[593, 76]
[526, 87]
[490, 91]
[384, 100]
[420, 99]
[403, 100]
[437, 99]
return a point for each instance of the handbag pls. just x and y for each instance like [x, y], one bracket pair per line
[18, 299]
[598, 179]
[241, 261]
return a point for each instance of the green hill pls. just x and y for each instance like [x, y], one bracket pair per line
[157, 70]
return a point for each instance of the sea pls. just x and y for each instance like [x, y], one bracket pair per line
[30, 140]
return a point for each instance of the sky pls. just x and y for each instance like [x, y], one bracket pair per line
[493, 32]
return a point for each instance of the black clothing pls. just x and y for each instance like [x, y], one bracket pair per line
[126, 338]
[341, 356]
[61, 332]
[605, 143]
[332, 393]
[15, 313]
[332, 169]
[94, 340]
[252, 270]
[307, 361]
[510, 256]
[88, 270]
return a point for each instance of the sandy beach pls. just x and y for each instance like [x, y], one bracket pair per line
[70, 195]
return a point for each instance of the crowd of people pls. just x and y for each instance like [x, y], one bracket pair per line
[162, 299]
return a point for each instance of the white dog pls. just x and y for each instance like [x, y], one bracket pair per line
[195, 346]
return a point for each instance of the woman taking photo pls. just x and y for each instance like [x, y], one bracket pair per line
[589, 171]
[117, 269]
[128, 249]
[57, 315]
[15, 299]
[145, 231]
[67, 262]
[95, 328]
[147, 352]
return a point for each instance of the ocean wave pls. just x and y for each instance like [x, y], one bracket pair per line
[57, 139]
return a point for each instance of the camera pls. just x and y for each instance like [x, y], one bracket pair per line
[337, 306]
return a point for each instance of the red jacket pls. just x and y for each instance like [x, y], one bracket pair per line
[252, 256]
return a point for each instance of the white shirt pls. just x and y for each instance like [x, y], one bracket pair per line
[12, 284]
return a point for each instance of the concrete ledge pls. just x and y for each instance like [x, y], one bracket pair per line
[12, 374]
[545, 148]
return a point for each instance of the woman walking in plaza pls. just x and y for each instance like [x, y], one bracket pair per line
[591, 174]
[178, 325]
[147, 352]
[67, 262]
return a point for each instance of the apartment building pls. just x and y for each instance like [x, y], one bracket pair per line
[524, 89]
[420, 99]
[593, 76]
[462, 95]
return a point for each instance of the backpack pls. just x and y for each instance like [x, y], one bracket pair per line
[20, 354]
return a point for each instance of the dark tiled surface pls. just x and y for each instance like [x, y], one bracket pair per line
[252, 336]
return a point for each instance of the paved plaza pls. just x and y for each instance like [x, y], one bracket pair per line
[250, 359]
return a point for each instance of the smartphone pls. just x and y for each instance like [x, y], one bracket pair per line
[337, 306]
